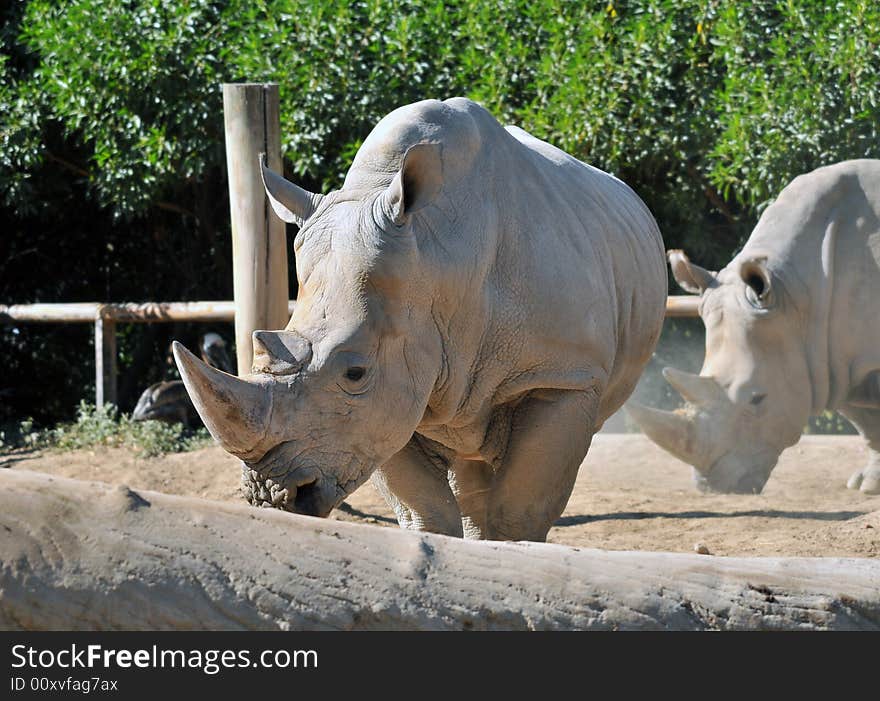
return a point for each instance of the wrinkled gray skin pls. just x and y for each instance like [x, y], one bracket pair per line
[792, 329]
[473, 304]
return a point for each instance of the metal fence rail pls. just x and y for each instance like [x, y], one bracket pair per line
[106, 316]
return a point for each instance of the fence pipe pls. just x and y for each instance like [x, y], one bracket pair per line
[105, 317]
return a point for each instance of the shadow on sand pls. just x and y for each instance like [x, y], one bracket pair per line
[11, 458]
[641, 515]
[347, 508]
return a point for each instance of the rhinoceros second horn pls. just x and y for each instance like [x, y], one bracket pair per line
[235, 411]
[291, 203]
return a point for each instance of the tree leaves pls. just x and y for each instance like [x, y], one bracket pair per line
[706, 108]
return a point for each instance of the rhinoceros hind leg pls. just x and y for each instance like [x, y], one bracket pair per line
[549, 437]
[867, 421]
[414, 483]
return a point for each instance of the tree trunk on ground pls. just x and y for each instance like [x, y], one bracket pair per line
[86, 555]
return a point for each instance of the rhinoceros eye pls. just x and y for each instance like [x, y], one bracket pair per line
[355, 374]
[354, 371]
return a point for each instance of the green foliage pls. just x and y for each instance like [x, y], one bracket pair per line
[829, 422]
[708, 108]
[133, 82]
[801, 89]
[104, 427]
[111, 124]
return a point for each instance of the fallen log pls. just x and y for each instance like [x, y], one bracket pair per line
[89, 556]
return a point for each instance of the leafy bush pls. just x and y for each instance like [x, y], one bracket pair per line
[830, 422]
[712, 106]
[104, 427]
[112, 168]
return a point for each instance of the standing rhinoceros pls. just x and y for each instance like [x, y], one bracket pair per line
[473, 304]
[792, 329]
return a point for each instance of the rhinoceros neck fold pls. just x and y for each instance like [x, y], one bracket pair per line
[818, 349]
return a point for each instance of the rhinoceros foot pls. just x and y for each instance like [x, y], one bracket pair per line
[866, 480]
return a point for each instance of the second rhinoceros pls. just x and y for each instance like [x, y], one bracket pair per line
[473, 304]
[792, 329]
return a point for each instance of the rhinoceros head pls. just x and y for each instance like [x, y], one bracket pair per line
[752, 396]
[343, 387]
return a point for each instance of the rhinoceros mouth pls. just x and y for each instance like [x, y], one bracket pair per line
[737, 474]
[283, 479]
[743, 486]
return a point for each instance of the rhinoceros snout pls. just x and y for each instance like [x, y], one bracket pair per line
[274, 482]
[733, 474]
[743, 486]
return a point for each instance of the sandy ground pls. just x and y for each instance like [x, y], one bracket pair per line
[629, 495]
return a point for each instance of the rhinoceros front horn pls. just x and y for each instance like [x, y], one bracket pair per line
[235, 411]
[290, 202]
[674, 432]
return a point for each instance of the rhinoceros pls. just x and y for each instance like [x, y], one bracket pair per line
[473, 304]
[792, 329]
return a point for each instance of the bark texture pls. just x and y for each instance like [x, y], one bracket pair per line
[90, 556]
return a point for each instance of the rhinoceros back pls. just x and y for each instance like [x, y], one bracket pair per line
[621, 259]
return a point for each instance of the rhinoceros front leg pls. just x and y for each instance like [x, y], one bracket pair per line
[867, 421]
[550, 434]
[414, 483]
[471, 482]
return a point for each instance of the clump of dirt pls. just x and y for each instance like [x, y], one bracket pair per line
[629, 495]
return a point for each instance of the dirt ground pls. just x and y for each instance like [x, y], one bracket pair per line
[629, 495]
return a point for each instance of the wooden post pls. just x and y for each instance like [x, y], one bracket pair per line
[105, 360]
[259, 246]
[682, 305]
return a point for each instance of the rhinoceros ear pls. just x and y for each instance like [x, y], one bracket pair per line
[756, 276]
[418, 181]
[690, 276]
[290, 202]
